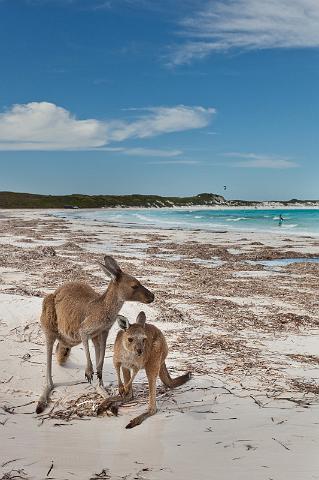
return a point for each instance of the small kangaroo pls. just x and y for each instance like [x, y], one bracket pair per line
[74, 313]
[142, 346]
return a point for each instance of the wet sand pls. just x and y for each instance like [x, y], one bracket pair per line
[248, 331]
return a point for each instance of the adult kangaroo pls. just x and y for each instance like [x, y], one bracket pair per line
[74, 313]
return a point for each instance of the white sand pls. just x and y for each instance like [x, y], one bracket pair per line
[214, 427]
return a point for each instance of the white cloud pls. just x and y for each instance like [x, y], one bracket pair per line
[151, 152]
[248, 25]
[45, 126]
[175, 162]
[143, 152]
[254, 160]
[163, 120]
[266, 163]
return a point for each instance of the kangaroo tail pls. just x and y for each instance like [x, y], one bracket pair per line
[172, 382]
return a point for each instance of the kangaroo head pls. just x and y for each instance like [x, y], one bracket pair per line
[134, 336]
[129, 289]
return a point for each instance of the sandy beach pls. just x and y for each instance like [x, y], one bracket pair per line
[247, 329]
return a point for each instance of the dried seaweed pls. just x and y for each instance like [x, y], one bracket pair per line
[197, 297]
[15, 474]
[311, 359]
[305, 386]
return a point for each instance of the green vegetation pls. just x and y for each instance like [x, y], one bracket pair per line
[29, 200]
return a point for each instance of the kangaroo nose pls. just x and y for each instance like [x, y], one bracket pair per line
[151, 297]
[139, 351]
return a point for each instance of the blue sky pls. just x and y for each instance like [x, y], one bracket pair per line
[170, 97]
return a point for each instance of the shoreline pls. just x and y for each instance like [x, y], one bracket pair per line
[227, 228]
[269, 207]
[193, 227]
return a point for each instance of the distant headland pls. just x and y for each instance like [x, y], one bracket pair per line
[30, 200]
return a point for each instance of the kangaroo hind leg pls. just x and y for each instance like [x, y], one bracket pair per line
[43, 400]
[152, 372]
[99, 364]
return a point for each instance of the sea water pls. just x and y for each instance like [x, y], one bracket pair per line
[295, 221]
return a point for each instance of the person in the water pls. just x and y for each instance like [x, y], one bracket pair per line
[281, 219]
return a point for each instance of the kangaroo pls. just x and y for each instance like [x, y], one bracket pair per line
[74, 313]
[142, 346]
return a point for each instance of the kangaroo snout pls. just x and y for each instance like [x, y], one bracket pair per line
[149, 296]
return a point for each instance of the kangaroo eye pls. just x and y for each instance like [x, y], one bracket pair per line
[130, 339]
[134, 287]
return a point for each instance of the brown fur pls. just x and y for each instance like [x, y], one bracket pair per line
[75, 313]
[142, 346]
[62, 353]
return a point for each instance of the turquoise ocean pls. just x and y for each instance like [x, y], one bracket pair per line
[296, 221]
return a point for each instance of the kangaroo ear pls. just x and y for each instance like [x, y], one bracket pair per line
[110, 267]
[141, 319]
[123, 322]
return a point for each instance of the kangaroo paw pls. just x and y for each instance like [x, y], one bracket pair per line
[99, 376]
[122, 390]
[136, 421]
[89, 376]
[108, 405]
[133, 423]
[40, 407]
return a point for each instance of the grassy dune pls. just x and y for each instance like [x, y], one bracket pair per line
[29, 200]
